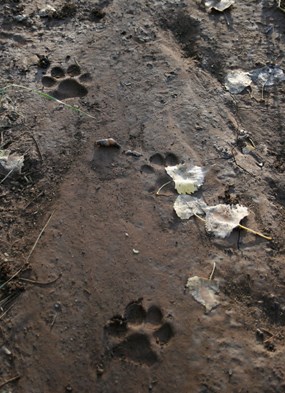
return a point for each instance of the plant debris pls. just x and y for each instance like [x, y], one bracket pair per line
[267, 76]
[187, 206]
[11, 162]
[218, 5]
[281, 5]
[204, 291]
[222, 219]
[237, 81]
[187, 180]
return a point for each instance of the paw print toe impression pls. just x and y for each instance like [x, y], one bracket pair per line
[66, 84]
[139, 334]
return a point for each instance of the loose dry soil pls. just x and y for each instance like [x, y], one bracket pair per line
[97, 316]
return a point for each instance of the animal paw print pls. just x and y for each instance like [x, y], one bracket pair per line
[156, 166]
[139, 334]
[66, 84]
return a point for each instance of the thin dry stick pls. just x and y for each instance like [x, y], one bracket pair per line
[39, 282]
[5, 300]
[4, 313]
[213, 272]
[10, 380]
[53, 321]
[14, 275]
[6, 177]
[164, 185]
[29, 256]
[38, 238]
[38, 147]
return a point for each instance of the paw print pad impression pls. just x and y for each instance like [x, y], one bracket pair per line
[67, 84]
[138, 335]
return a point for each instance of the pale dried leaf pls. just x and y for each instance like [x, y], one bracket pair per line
[204, 291]
[222, 219]
[267, 76]
[186, 206]
[236, 81]
[218, 5]
[4, 154]
[11, 162]
[187, 180]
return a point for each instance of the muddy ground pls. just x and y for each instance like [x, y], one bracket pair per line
[98, 263]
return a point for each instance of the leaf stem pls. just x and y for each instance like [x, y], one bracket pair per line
[164, 185]
[255, 232]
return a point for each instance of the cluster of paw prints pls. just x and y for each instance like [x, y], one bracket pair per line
[138, 334]
[66, 84]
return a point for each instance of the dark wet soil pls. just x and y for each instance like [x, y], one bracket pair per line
[94, 264]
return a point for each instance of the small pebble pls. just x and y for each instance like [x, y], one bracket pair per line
[6, 350]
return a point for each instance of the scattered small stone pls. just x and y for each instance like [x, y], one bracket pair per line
[47, 12]
[108, 142]
[100, 370]
[6, 350]
[133, 153]
[57, 306]
[21, 18]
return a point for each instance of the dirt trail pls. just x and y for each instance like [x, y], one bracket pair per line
[118, 318]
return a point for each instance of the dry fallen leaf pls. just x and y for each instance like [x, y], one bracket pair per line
[204, 291]
[187, 180]
[11, 162]
[186, 206]
[236, 81]
[222, 219]
[218, 5]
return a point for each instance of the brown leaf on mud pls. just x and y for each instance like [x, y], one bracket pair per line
[204, 291]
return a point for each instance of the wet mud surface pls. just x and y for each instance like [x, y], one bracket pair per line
[93, 263]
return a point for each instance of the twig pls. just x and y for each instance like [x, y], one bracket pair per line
[14, 275]
[38, 238]
[4, 313]
[213, 272]
[262, 90]
[6, 177]
[160, 188]
[53, 321]
[30, 253]
[39, 282]
[37, 146]
[10, 380]
[34, 199]
[5, 301]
